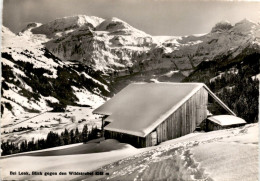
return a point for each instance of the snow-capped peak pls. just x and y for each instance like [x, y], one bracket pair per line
[117, 26]
[67, 24]
[245, 22]
[222, 26]
[113, 24]
[30, 26]
[83, 19]
[245, 26]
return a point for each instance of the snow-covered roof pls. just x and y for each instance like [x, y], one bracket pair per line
[226, 120]
[140, 107]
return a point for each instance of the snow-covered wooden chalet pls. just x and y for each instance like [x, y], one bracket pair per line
[146, 114]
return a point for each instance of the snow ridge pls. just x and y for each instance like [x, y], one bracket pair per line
[67, 24]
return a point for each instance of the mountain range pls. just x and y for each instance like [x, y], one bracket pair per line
[83, 60]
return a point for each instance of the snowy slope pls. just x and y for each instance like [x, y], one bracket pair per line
[75, 159]
[34, 80]
[219, 155]
[16, 48]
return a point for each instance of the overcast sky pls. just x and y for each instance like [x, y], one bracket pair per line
[156, 17]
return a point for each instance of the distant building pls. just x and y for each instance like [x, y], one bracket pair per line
[146, 114]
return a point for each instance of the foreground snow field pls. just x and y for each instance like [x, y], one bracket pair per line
[219, 155]
[75, 158]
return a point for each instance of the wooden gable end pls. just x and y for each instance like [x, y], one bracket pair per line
[184, 120]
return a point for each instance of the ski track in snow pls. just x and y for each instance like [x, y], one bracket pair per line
[174, 159]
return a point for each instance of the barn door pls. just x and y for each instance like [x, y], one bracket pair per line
[154, 138]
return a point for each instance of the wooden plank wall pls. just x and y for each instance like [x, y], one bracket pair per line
[214, 126]
[136, 141]
[184, 120]
[148, 140]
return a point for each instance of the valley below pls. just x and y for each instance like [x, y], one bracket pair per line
[34, 126]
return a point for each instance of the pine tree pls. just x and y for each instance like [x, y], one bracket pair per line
[31, 145]
[77, 136]
[60, 140]
[41, 144]
[66, 137]
[72, 136]
[93, 133]
[85, 133]
[23, 146]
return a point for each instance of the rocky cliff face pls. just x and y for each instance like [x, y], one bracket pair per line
[112, 45]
